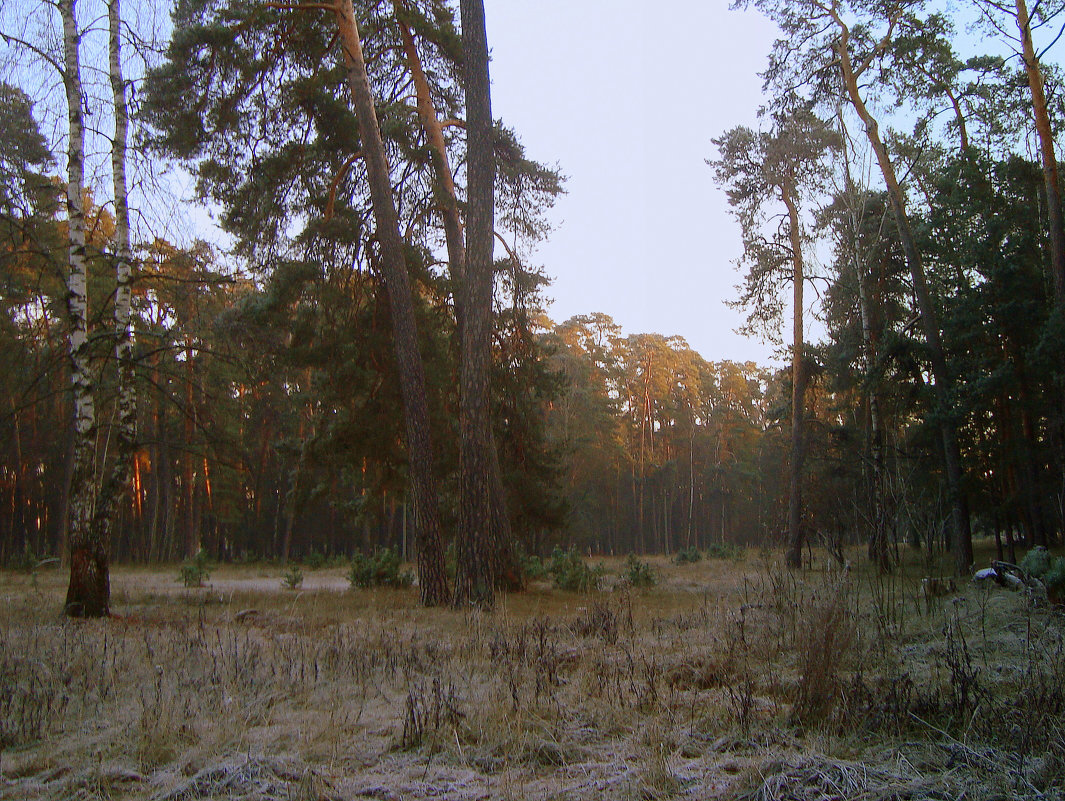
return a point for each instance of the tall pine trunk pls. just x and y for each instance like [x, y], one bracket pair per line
[1046, 150]
[88, 594]
[793, 557]
[481, 543]
[509, 573]
[432, 578]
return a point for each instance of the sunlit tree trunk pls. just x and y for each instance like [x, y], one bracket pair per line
[434, 133]
[1046, 150]
[88, 594]
[432, 578]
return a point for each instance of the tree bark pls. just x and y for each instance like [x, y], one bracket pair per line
[432, 578]
[434, 133]
[878, 543]
[963, 546]
[509, 572]
[479, 549]
[191, 535]
[116, 487]
[88, 594]
[1046, 151]
[793, 557]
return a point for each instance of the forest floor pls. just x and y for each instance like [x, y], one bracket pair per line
[728, 679]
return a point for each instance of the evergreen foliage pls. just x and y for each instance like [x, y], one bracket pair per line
[638, 573]
[570, 572]
[195, 571]
[292, 579]
[381, 569]
[688, 556]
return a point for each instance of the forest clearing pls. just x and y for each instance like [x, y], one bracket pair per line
[728, 678]
[309, 491]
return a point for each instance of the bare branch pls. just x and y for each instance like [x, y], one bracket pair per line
[336, 182]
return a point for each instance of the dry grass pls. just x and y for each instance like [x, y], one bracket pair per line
[727, 680]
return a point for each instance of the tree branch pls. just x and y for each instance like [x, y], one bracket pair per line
[336, 182]
[301, 6]
[9, 40]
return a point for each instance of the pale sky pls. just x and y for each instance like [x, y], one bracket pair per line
[625, 96]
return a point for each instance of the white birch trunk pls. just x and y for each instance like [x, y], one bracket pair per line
[108, 505]
[87, 594]
[123, 251]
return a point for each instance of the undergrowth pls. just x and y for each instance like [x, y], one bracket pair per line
[382, 569]
[570, 572]
[645, 693]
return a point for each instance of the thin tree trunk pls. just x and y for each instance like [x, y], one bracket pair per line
[793, 558]
[62, 532]
[691, 486]
[878, 542]
[432, 578]
[193, 541]
[290, 507]
[88, 594]
[963, 546]
[116, 488]
[478, 549]
[434, 133]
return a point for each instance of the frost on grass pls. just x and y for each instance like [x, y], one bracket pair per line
[743, 682]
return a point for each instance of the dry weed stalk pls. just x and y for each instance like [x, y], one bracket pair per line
[826, 641]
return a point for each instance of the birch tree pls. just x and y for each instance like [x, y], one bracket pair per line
[115, 488]
[88, 593]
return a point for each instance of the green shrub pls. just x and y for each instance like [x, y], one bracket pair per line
[23, 562]
[570, 572]
[1054, 579]
[719, 550]
[638, 573]
[1036, 562]
[292, 578]
[533, 567]
[379, 570]
[315, 560]
[688, 556]
[195, 572]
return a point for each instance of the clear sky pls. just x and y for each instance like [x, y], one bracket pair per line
[625, 96]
